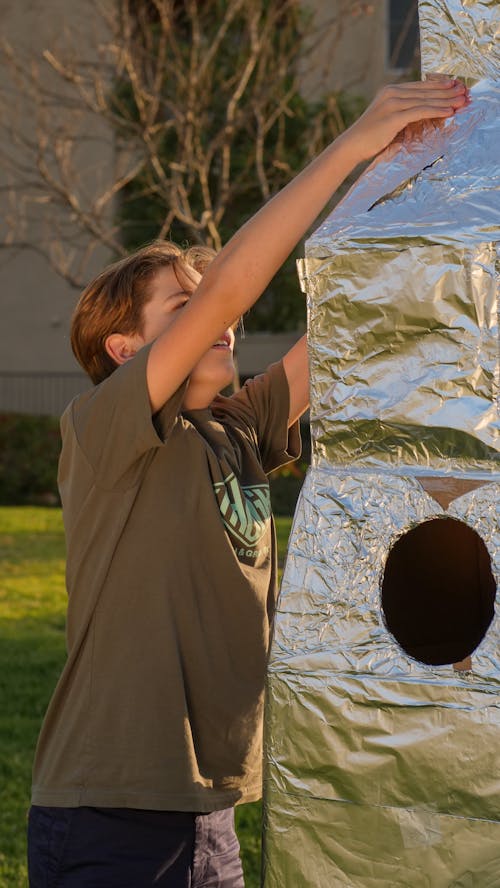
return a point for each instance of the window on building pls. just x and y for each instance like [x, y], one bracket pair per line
[403, 40]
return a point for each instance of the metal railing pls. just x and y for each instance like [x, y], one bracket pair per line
[39, 393]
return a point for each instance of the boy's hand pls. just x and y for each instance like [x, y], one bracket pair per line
[394, 107]
[244, 268]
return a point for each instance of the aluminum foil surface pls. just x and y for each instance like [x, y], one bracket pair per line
[381, 770]
[460, 37]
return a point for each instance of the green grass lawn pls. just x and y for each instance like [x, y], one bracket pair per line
[32, 614]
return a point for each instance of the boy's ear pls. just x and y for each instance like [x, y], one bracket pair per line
[120, 347]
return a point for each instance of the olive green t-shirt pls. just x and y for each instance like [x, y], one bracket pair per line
[171, 576]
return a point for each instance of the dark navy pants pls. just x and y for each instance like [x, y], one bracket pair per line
[128, 848]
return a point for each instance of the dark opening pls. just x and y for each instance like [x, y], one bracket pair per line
[438, 591]
[403, 33]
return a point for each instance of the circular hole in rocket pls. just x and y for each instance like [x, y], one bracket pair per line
[438, 591]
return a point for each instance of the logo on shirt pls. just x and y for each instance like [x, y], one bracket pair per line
[245, 510]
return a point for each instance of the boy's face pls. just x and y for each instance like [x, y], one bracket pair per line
[215, 369]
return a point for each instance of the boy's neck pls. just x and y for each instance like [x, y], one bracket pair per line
[198, 397]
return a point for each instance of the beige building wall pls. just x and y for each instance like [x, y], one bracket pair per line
[349, 48]
[37, 370]
[352, 44]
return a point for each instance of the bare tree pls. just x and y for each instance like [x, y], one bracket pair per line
[187, 113]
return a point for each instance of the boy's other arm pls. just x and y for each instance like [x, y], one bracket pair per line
[295, 364]
[243, 269]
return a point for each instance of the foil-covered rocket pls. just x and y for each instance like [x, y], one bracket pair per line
[383, 705]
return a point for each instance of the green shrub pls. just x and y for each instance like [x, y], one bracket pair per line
[285, 491]
[286, 483]
[29, 452]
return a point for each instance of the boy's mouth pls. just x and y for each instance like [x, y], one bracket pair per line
[223, 342]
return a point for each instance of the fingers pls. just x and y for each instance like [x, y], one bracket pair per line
[428, 99]
[452, 102]
[428, 112]
[425, 90]
[424, 112]
[430, 85]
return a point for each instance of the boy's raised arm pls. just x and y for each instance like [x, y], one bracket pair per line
[243, 269]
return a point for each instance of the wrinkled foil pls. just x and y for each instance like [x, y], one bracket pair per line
[460, 38]
[381, 770]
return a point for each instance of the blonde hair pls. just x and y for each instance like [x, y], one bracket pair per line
[114, 301]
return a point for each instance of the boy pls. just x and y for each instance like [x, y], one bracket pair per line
[154, 730]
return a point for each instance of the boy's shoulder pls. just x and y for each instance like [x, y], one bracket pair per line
[257, 391]
[261, 406]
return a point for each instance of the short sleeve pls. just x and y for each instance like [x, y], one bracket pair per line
[263, 404]
[113, 425]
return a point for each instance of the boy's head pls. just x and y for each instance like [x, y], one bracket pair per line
[114, 302]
